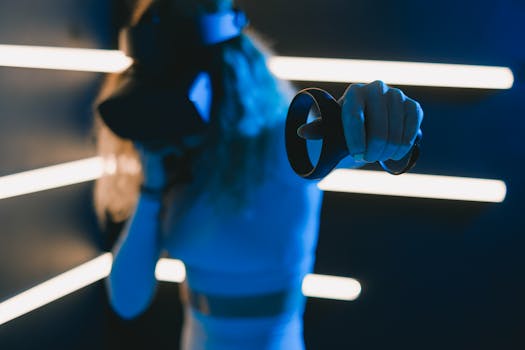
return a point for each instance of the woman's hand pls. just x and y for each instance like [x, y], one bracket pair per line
[379, 122]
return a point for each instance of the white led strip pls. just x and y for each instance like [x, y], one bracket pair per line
[331, 287]
[314, 285]
[390, 72]
[56, 288]
[51, 177]
[168, 270]
[290, 68]
[341, 180]
[414, 185]
[46, 57]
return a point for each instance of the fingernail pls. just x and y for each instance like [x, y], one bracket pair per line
[359, 157]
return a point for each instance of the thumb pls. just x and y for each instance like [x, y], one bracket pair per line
[311, 131]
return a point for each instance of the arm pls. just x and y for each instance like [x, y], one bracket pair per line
[132, 279]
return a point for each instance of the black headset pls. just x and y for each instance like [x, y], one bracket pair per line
[167, 92]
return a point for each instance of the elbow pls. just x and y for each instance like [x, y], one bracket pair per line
[126, 309]
[129, 298]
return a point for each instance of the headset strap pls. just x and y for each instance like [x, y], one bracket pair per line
[218, 27]
[158, 35]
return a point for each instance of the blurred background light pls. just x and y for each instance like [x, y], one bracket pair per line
[339, 180]
[168, 270]
[395, 73]
[290, 68]
[53, 177]
[452, 285]
[56, 288]
[414, 185]
[44, 57]
[331, 287]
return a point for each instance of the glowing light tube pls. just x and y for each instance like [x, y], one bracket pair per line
[169, 270]
[44, 57]
[391, 72]
[414, 185]
[52, 177]
[55, 288]
[340, 180]
[331, 287]
[290, 68]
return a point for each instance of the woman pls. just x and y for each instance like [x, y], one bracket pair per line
[224, 199]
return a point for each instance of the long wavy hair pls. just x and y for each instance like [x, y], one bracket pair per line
[248, 111]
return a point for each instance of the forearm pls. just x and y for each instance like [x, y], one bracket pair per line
[132, 278]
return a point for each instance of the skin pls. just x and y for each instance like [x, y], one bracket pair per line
[390, 125]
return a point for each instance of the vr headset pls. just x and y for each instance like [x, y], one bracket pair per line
[166, 95]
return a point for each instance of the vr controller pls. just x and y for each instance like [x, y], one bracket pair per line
[334, 147]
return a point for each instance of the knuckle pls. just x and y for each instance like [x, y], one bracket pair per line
[380, 85]
[376, 89]
[377, 83]
[413, 104]
[396, 93]
[352, 92]
[347, 103]
[354, 88]
[415, 109]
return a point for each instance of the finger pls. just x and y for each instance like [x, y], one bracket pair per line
[311, 131]
[396, 121]
[353, 117]
[376, 120]
[413, 119]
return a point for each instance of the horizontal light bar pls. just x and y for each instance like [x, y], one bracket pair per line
[317, 286]
[331, 287]
[46, 57]
[52, 177]
[169, 270]
[56, 288]
[391, 72]
[289, 68]
[414, 185]
[340, 180]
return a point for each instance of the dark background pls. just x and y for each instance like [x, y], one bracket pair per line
[436, 274]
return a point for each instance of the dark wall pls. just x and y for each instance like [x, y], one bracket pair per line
[45, 119]
[435, 273]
